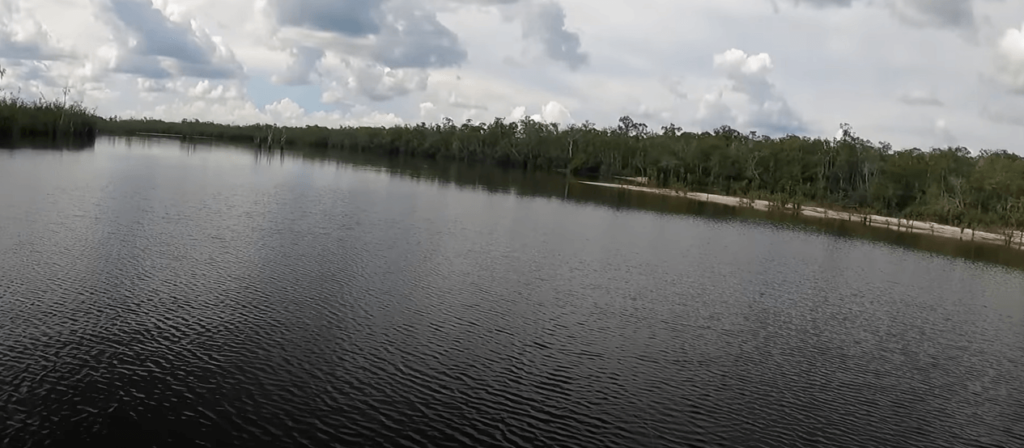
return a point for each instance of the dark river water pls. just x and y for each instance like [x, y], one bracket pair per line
[155, 294]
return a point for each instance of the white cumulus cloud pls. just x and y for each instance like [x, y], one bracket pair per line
[764, 108]
[1010, 59]
[888, 67]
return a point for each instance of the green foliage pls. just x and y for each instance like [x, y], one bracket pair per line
[53, 120]
[945, 185]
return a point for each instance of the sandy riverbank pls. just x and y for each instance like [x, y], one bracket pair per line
[902, 225]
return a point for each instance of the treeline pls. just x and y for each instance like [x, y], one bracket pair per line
[953, 186]
[47, 120]
[945, 185]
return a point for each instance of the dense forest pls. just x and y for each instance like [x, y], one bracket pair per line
[945, 185]
[983, 190]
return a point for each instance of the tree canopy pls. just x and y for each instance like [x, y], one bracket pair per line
[947, 185]
[983, 190]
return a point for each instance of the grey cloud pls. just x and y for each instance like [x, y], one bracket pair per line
[158, 35]
[353, 18]
[420, 41]
[382, 86]
[302, 67]
[545, 22]
[151, 45]
[371, 80]
[1009, 60]
[920, 98]
[27, 78]
[153, 86]
[769, 112]
[24, 69]
[459, 103]
[30, 41]
[387, 45]
[512, 62]
[396, 33]
[957, 14]
[675, 85]
[468, 106]
[389, 61]
[951, 14]
[1001, 116]
[147, 67]
[944, 134]
[653, 116]
[10, 48]
[775, 117]
[487, 2]
[406, 34]
[714, 112]
[824, 3]
[206, 70]
[818, 4]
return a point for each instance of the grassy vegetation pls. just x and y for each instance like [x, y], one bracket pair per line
[953, 186]
[54, 120]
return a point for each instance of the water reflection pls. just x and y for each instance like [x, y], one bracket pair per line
[522, 183]
[155, 294]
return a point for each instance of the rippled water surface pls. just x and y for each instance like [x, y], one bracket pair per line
[153, 294]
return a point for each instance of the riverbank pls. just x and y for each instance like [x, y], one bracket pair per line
[58, 123]
[847, 173]
[901, 225]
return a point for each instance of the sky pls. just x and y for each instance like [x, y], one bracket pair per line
[914, 73]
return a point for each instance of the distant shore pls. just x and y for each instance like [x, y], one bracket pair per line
[902, 225]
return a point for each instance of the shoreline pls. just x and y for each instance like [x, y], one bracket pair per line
[901, 225]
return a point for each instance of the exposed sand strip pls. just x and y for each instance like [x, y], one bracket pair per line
[874, 220]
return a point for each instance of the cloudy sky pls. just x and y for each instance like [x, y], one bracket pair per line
[912, 72]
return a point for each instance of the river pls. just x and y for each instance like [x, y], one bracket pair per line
[154, 293]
